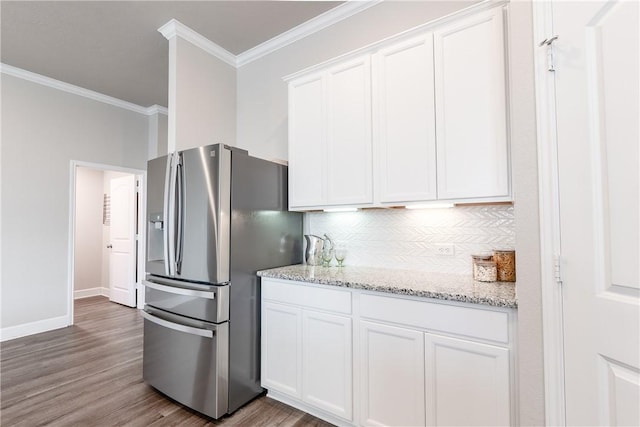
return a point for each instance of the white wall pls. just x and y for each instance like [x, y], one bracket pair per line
[88, 233]
[43, 129]
[158, 123]
[203, 96]
[262, 129]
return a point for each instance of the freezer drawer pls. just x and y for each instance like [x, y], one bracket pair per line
[205, 302]
[187, 360]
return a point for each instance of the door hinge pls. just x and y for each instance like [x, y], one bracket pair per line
[557, 273]
[549, 44]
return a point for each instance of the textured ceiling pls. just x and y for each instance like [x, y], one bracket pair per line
[113, 47]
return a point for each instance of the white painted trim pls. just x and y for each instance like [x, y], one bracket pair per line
[175, 28]
[80, 91]
[1, 115]
[550, 248]
[320, 22]
[140, 174]
[157, 109]
[142, 239]
[91, 292]
[411, 32]
[105, 167]
[310, 409]
[71, 242]
[31, 328]
[172, 96]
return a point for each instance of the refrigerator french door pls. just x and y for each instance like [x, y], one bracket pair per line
[189, 201]
[216, 216]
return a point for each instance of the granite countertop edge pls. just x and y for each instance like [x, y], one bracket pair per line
[402, 282]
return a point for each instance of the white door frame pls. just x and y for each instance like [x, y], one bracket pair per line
[550, 249]
[550, 242]
[142, 176]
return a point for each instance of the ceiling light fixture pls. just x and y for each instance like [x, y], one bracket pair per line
[341, 210]
[430, 206]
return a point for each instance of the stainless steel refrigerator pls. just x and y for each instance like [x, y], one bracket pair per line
[215, 216]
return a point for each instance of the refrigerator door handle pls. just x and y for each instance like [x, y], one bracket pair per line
[180, 212]
[179, 291]
[207, 333]
[166, 215]
[171, 224]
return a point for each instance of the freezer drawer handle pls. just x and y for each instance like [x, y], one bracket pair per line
[179, 291]
[178, 327]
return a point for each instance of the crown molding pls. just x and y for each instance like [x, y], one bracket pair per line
[80, 91]
[175, 28]
[156, 109]
[320, 22]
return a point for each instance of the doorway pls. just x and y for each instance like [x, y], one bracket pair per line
[107, 236]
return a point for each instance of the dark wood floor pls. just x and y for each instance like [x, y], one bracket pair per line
[90, 374]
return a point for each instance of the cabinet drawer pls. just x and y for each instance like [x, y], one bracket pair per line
[466, 321]
[298, 293]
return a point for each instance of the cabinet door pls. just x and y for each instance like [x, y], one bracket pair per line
[471, 108]
[307, 151]
[327, 363]
[467, 383]
[405, 128]
[392, 375]
[349, 150]
[281, 348]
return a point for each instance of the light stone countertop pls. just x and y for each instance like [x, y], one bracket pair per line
[451, 287]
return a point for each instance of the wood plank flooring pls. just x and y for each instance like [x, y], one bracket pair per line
[90, 374]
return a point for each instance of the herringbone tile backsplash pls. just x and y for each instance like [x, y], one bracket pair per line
[408, 239]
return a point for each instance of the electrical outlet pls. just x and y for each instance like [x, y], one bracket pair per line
[445, 250]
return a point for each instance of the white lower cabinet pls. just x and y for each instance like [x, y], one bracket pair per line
[470, 372]
[307, 341]
[413, 361]
[281, 348]
[327, 362]
[392, 376]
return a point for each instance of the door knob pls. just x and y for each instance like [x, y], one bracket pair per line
[109, 246]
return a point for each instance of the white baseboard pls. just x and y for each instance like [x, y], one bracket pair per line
[31, 328]
[318, 413]
[91, 292]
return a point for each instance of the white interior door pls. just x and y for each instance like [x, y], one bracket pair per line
[122, 261]
[596, 61]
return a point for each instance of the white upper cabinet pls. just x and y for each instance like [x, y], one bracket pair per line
[349, 178]
[307, 156]
[471, 108]
[405, 136]
[330, 154]
[415, 118]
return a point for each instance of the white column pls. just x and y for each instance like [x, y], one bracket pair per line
[202, 90]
